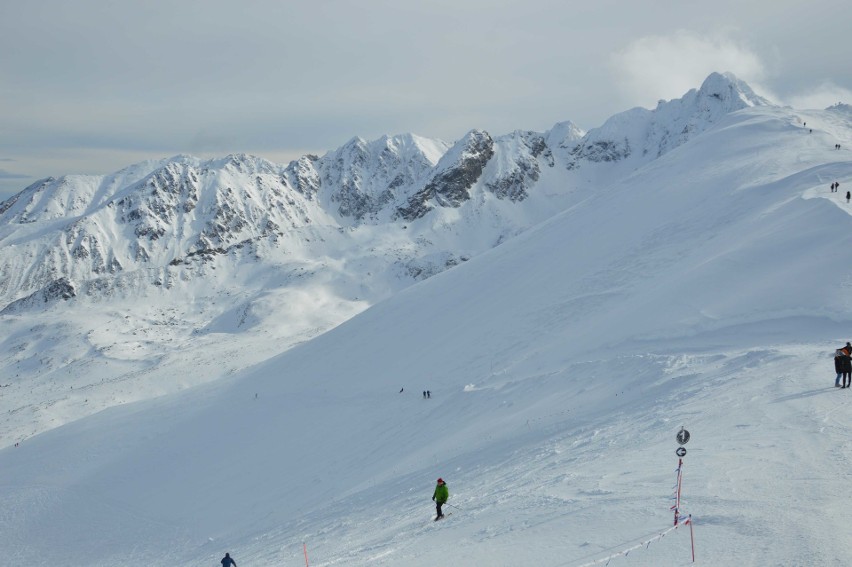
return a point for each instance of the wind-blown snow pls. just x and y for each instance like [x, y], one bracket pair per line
[705, 288]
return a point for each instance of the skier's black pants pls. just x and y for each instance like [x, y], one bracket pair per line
[438, 508]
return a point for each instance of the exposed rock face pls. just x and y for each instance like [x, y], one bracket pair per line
[363, 178]
[602, 151]
[457, 172]
[303, 176]
[519, 163]
[58, 290]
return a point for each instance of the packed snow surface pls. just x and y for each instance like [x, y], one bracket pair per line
[707, 289]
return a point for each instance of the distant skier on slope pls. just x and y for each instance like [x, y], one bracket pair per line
[228, 562]
[838, 367]
[440, 496]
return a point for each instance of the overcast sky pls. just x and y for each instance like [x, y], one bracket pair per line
[92, 86]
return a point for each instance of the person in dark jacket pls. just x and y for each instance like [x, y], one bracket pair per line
[838, 367]
[228, 562]
[846, 365]
[440, 496]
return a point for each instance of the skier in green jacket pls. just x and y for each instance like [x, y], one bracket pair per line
[440, 497]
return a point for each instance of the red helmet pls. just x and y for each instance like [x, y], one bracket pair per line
[440, 480]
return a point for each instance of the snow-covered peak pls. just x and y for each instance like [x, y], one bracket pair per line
[453, 176]
[517, 164]
[246, 164]
[474, 143]
[70, 196]
[51, 199]
[734, 93]
[432, 148]
[719, 95]
[564, 135]
[639, 135]
[362, 177]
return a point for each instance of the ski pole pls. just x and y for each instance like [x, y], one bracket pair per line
[451, 506]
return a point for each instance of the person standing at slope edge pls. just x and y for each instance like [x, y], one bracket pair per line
[838, 367]
[440, 496]
[846, 365]
[228, 562]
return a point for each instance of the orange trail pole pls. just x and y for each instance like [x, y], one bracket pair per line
[305, 545]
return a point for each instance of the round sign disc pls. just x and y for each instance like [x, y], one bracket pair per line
[681, 451]
[682, 437]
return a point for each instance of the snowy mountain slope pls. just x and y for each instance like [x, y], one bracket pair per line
[238, 258]
[709, 291]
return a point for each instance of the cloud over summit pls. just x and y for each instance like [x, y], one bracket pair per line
[657, 67]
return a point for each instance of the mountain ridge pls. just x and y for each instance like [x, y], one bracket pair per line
[244, 199]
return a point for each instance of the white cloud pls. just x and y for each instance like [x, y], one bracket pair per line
[823, 96]
[665, 67]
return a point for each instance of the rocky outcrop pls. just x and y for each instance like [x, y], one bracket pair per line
[364, 177]
[58, 290]
[520, 157]
[457, 171]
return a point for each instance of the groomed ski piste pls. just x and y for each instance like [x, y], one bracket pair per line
[708, 290]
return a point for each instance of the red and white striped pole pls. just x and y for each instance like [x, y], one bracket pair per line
[682, 439]
[677, 492]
